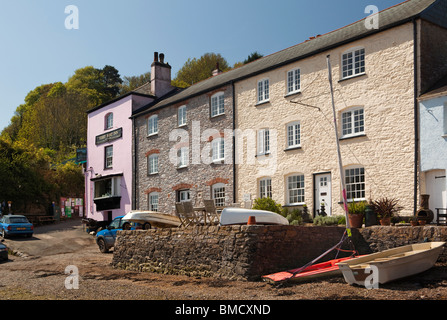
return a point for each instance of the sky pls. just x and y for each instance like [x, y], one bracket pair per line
[37, 48]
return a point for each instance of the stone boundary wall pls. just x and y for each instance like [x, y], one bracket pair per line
[248, 252]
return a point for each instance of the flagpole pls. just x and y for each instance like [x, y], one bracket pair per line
[340, 164]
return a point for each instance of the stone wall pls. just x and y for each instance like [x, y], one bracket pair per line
[248, 252]
[231, 252]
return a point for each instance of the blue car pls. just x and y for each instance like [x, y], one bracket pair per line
[105, 239]
[15, 225]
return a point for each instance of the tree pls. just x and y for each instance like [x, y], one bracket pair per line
[133, 82]
[252, 57]
[195, 70]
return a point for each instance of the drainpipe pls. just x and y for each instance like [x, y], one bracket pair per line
[416, 116]
[234, 144]
[134, 166]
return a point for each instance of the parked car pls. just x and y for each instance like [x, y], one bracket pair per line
[3, 251]
[15, 225]
[106, 238]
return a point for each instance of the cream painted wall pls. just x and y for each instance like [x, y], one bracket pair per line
[387, 149]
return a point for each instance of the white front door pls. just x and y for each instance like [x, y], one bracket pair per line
[435, 182]
[323, 192]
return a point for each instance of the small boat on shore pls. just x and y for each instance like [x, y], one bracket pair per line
[392, 264]
[153, 219]
[319, 270]
[238, 216]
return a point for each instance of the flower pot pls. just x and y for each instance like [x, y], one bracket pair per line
[422, 222]
[355, 220]
[385, 221]
[414, 223]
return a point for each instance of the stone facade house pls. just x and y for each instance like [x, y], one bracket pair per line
[378, 74]
[183, 144]
[109, 171]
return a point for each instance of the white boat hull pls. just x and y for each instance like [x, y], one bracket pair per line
[392, 264]
[156, 219]
[238, 216]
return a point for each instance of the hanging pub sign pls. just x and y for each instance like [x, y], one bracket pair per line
[109, 136]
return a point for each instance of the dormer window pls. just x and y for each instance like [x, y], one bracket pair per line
[108, 121]
[353, 62]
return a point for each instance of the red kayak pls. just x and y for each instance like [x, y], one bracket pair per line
[328, 268]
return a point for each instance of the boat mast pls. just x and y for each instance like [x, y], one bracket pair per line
[340, 164]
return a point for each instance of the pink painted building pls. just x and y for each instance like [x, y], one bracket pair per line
[109, 169]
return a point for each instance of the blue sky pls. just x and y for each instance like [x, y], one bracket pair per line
[36, 48]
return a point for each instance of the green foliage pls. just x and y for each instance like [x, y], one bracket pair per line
[329, 220]
[357, 207]
[131, 83]
[195, 70]
[267, 204]
[252, 57]
[294, 217]
[386, 207]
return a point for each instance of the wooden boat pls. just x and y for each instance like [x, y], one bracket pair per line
[392, 264]
[319, 270]
[153, 219]
[237, 216]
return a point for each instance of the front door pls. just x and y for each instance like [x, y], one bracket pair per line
[323, 194]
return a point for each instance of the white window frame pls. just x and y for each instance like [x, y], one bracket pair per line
[153, 201]
[293, 134]
[218, 194]
[353, 62]
[294, 81]
[263, 90]
[152, 164]
[263, 141]
[108, 157]
[355, 183]
[265, 188]
[295, 186]
[217, 104]
[152, 125]
[218, 149]
[109, 121]
[184, 195]
[181, 116]
[352, 122]
[183, 157]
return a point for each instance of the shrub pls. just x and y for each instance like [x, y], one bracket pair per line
[267, 204]
[329, 220]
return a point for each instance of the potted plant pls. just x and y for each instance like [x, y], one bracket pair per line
[386, 208]
[414, 221]
[356, 212]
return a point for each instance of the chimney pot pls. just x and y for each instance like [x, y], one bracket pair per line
[155, 56]
[162, 57]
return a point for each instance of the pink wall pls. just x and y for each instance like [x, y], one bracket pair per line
[122, 154]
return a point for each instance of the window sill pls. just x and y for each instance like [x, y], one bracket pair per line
[352, 77]
[218, 161]
[262, 154]
[353, 136]
[291, 94]
[289, 205]
[260, 103]
[182, 125]
[217, 115]
[152, 174]
[355, 200]
[152, 135]
[181, 167]
[292, 148]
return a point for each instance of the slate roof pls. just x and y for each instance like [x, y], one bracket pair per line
[432, 10]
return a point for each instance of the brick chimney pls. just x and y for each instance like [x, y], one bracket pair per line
[160, 76]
